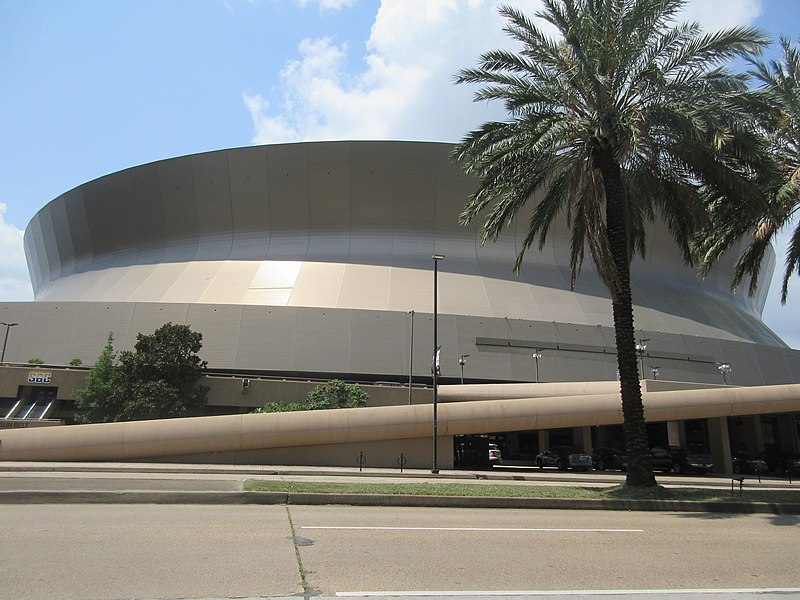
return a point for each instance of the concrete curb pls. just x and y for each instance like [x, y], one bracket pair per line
[291, 498]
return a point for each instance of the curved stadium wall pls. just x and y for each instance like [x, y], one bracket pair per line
[308, 258]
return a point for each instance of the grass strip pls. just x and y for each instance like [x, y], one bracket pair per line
[619, 492]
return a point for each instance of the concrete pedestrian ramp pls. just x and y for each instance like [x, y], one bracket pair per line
[380, 435]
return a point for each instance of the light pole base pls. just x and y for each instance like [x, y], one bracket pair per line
[435, 471]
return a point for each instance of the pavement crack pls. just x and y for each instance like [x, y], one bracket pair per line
[298, 541]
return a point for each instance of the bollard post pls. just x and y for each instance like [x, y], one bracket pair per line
[402, 461]
[361, 460]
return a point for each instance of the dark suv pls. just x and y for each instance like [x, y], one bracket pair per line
[690, 460]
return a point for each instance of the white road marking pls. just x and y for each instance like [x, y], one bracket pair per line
[558, 530]
[588, 593]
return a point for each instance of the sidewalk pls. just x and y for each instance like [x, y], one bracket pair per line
[25, 482]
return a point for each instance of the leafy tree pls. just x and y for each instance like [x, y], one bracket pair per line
[161, 376]
[75, 362]
[35, 361]
[333, 394]
[159, 379]
[622, 122]
[777, 106]
[100, 399]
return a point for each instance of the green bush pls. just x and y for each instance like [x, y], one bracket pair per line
[334, 394]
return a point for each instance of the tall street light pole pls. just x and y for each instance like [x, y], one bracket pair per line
[411, 357]
[5, 340]
[435, 364]
[462, 361]
[536, 356]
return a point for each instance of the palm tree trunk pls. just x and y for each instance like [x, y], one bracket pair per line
[640, 472]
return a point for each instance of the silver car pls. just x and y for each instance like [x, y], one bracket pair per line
[563, 458]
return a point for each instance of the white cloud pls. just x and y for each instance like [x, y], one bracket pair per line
[404, 88]
[331, 5]
[15, 284]
[713, 14]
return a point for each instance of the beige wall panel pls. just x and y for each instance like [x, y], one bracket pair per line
[98, 285]
[19, 313]
[582, 335]
[95, 322]
[512, 299]
[219, 325]
[213, 201]
[365, 287]
[266, 338]
[552, 301]
[287, 168]
[318, 284]
[266, 297]
[379, 339]
[127, 285]
[176, 182]
[160, 279]
[148, 317]
[383, 454]
[459, 294]
[50, 333]
[329, 201]
[192, 282]
[231, 282]
[321, 341]
[67, 288]
[249, 202]
[410, 289]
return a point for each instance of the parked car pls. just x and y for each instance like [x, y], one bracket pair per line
[495, 456]
[690, 460]
[563, 458]
[782, 463]
[609, 458]
[661, 459]
[749, 465]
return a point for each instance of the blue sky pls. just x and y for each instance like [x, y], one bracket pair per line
[90, 87]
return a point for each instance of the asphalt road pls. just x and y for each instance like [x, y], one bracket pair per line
[196, 551]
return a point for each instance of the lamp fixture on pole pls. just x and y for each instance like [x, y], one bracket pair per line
[5, 340]
[435, 364]
[640, 348]
[536, 356]
[724, 368]
[461, 362]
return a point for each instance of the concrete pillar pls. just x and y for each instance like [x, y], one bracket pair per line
[753, 434]
[786, 433]
[544, 440]
[676, 433]
[601, 439]
[582, 437]
[720, 446]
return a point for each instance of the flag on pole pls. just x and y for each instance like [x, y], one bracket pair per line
[435, 364]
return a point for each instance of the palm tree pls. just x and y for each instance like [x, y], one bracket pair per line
[619, 123]
[777, 104]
